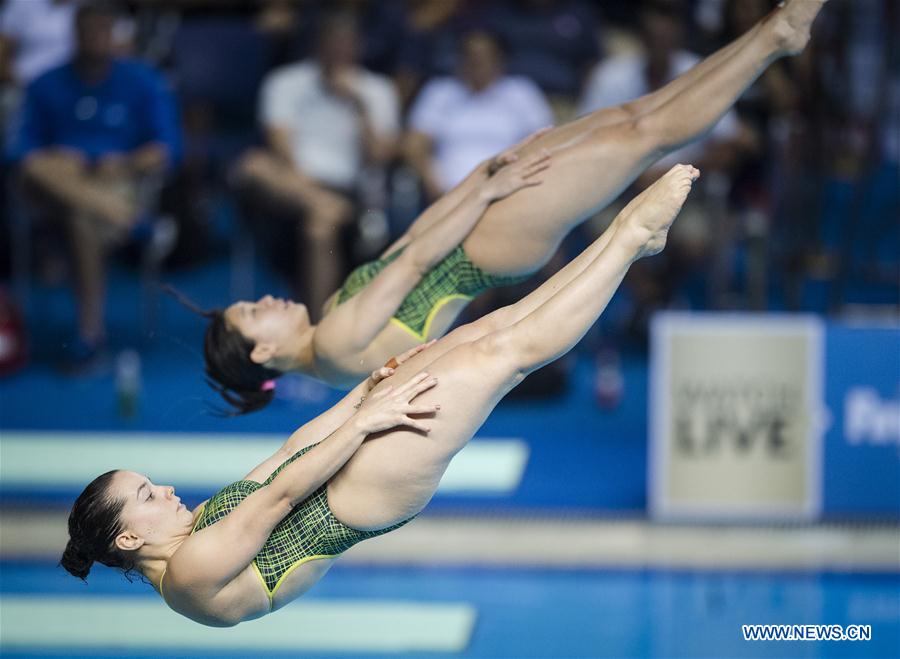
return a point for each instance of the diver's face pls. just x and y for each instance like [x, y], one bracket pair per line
[151, 513]
[269, 320]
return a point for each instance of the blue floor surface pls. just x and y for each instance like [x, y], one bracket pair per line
[604, 466]
[543, 613]
[520, 613]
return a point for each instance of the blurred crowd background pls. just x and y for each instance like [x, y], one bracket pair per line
[323, 127]
[239, 148]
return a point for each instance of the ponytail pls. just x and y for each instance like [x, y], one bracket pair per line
[75, 561]
[94, 523]
[241, 382]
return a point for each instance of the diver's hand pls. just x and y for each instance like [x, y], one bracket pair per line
[504, 158]
[520, 173]
[393, 406]
[394, 362]
[391, 364]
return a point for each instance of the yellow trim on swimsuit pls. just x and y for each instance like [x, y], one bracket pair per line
[309, 532]
[426, 331]
[271, 593]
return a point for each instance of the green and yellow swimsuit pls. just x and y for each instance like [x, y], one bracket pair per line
[309, 532]
[454, 278]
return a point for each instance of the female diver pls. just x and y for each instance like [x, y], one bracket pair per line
[362, 468]
[416, 291]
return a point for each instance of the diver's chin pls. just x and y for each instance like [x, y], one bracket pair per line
[304, 318]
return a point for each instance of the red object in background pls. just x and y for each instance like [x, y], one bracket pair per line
[13, 340]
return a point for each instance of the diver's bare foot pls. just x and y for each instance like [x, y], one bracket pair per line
[646, 220]
[791, 24]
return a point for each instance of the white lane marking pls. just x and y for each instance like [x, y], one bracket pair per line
[61, 459]
[384, 626]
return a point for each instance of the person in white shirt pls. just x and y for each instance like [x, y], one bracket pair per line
[39, 34]
[457, 122]
[325, 121]
[35, 36]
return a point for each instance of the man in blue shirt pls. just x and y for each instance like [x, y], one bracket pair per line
[92, 135]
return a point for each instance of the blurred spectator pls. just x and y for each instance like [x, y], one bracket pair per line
[383, 23]
[278, 20]
[328, 123]
[429, 44]
[553, 42]
[456, 122]
[93, 137]
[37, 35]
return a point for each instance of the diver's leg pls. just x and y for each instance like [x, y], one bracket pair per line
[518, 234]
[394, 475]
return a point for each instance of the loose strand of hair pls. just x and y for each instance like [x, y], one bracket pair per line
[187, 302]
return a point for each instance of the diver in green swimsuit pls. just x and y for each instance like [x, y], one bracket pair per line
[384, 307]
[310, 531]
[271, 534]
[508, 217]
[364, 467]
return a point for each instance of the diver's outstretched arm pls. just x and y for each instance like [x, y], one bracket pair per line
[352, 326]
[446, 204]
[211, 558]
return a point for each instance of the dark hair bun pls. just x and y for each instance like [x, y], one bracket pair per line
[94, 524]
[75, 561]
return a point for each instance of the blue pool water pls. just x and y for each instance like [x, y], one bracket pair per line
[588, 613]
[582, 458]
